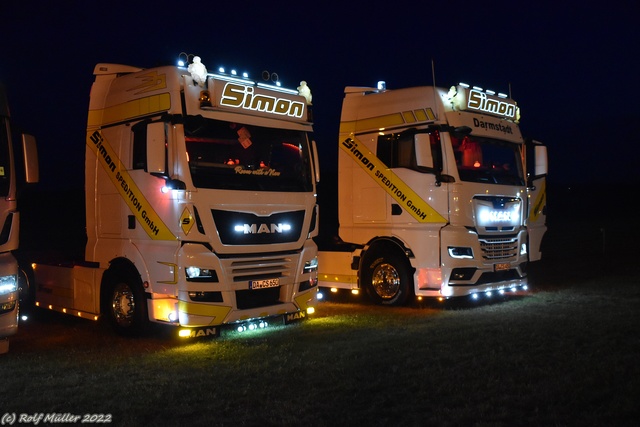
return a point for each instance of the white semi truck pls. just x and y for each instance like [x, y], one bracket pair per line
[200, 200]
[10, 219]
[439, 195]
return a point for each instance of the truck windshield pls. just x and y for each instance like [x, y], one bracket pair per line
[237, 156]
[5, 165]
[488, 160]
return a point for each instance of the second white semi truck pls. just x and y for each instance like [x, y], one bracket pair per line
[439, 195]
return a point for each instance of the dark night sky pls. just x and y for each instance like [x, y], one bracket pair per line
[572, 68]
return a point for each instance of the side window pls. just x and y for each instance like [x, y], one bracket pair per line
[405, 153]
[139, 154]
[383, 150]
[398, 151]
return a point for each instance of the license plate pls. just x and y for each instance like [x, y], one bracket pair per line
[501, 267]
[263, 284]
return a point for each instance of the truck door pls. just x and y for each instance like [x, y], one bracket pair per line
[537, 191]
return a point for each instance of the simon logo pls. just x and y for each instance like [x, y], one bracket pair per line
[240, 96]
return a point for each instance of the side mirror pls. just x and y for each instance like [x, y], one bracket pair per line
[422, 144]
[540, 153]
[156, 152]
[30, 154]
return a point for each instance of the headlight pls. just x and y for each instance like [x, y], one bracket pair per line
[197, 274]
[311, 265]
[8, 284]
[460, 252]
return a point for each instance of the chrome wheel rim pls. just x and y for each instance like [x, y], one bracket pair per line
[123, 305]
[385, 281]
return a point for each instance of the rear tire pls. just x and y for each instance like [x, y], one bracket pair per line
[386, 275]
[124, 304]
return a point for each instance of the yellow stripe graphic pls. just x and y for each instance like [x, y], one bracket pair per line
[390, 182]
[140, 207]
[338, 278]
[388, 121]
[536, 208]
[130, 110]
[218, 312]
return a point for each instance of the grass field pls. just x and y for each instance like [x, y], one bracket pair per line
[565, 355]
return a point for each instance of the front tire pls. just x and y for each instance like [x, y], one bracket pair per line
[387, 277]
[125, 306]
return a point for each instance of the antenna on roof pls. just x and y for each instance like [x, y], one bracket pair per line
[433, 76]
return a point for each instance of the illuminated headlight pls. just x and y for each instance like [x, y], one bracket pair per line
[201, 274]
[523, 249]
[460, 252]
[311, 265]
[193, 272]
[8, 284]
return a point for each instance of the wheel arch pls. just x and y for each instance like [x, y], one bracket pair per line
[390, 243]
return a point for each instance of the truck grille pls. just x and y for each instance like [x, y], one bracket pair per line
[242, 228]
[244, 269]
[241, 270]
[499, 248]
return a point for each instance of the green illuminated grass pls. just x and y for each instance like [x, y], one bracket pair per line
[558, 357]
